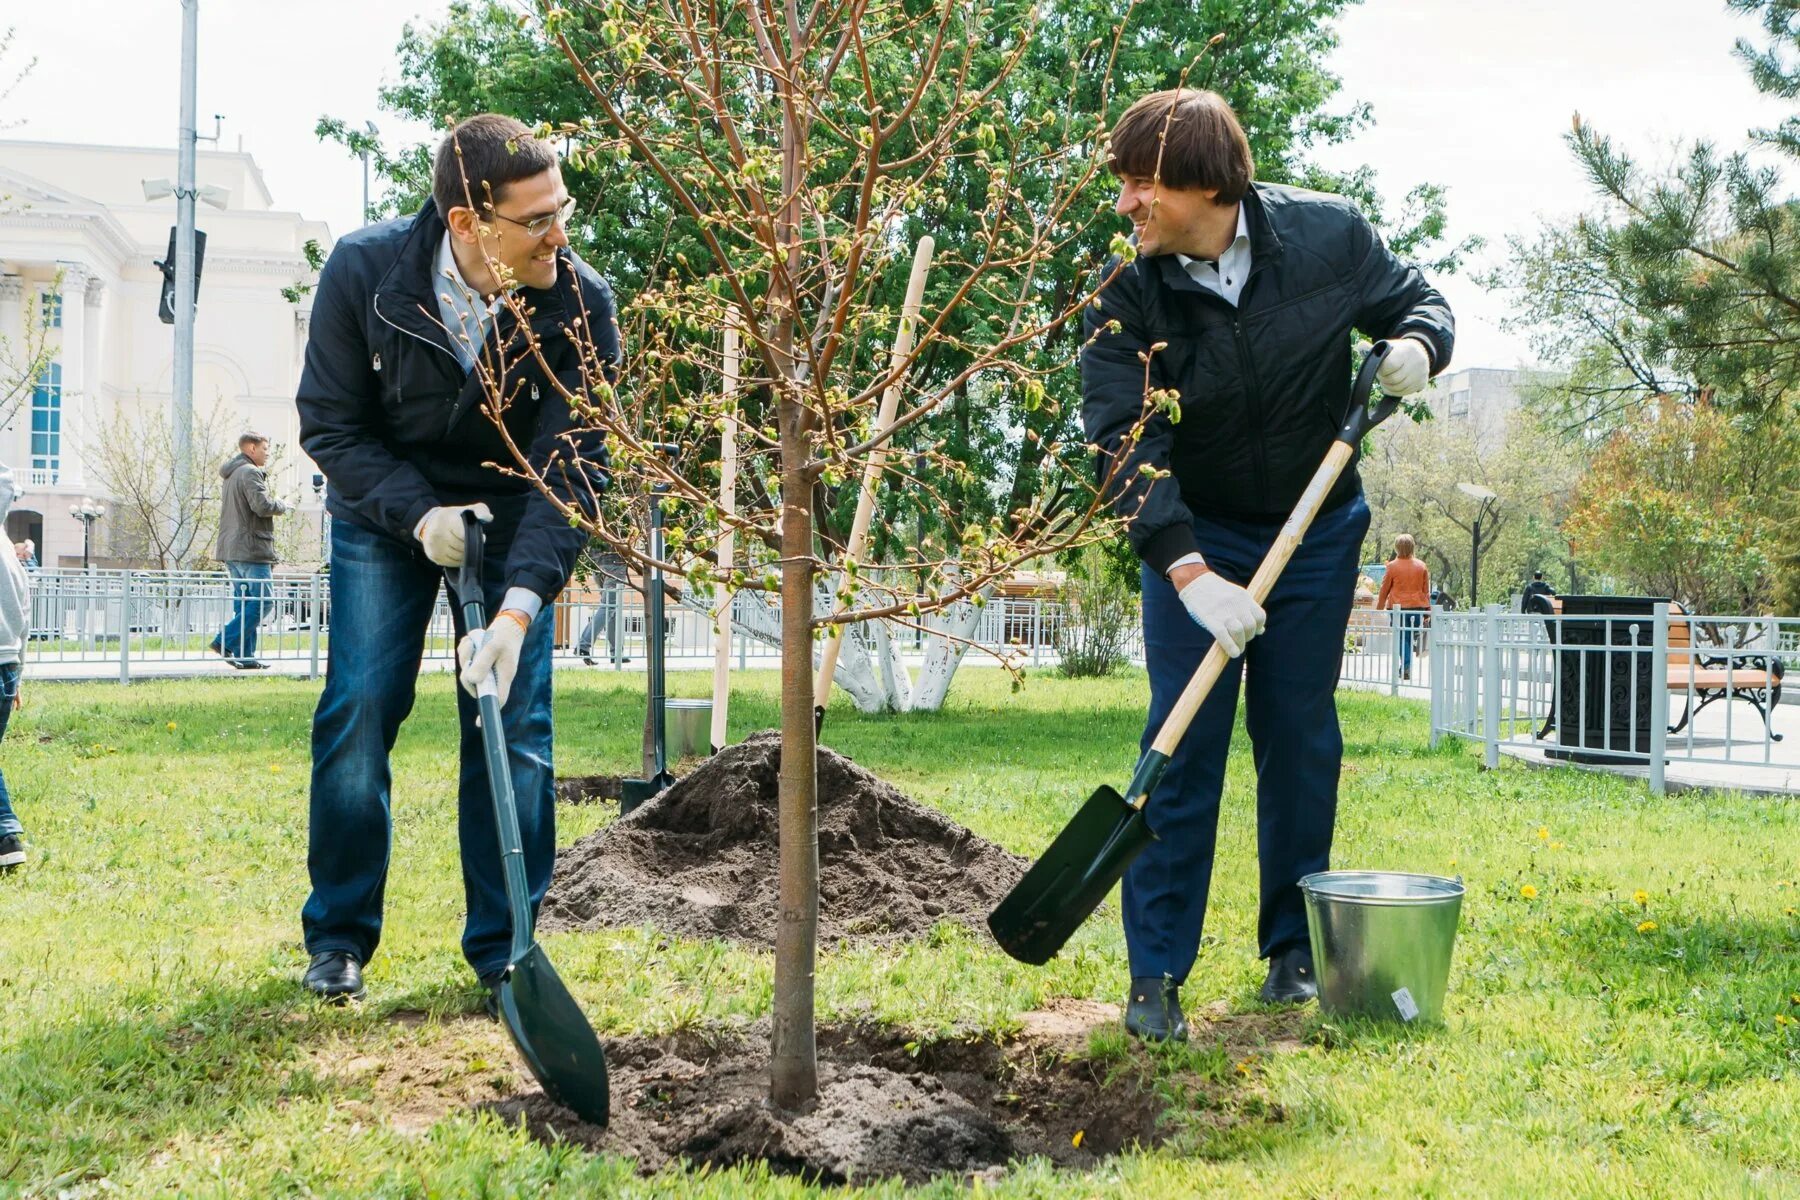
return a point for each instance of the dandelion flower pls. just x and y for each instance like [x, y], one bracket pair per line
[274, 768]
[1641, 898]
[1646, 927]
[1529, 892]
[171, 727]
[1783, 1019]
[1543, 833]
[1556, 845]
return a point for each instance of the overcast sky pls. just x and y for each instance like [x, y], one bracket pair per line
[1472, 94]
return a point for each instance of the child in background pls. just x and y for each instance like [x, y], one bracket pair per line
[15, 620]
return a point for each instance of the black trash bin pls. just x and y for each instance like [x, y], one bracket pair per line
[1603, 694]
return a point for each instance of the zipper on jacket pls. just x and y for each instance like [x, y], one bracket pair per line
[1253, 409]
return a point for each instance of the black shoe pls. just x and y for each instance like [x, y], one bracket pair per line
[1153, 1013]
[248, 664]
[334, 976]
[490, 995]
[590, 660]
[1291, 979]
[216, 648]
[12, 851]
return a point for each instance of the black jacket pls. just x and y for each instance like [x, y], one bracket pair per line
[398, 428]
[1264, 387]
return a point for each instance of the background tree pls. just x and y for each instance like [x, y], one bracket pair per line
[1411, 476]
[1685, 284]
[1676, 504]
[131, 459]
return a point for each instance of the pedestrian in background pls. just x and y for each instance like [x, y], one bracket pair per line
[15, 621]
[1406, 586]
[246, 546]
[609, 578]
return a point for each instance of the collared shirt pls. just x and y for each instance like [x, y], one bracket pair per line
[465, 314]
[1226, 277]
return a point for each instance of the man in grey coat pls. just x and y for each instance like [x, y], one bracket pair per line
[247, 515]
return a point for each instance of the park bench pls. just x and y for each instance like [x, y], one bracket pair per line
[1698, 676]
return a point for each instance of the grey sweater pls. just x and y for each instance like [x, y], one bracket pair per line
[15, 587]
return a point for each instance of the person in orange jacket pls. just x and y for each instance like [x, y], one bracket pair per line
[1407, 587]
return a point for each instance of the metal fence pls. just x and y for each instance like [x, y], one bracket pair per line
[102, 623]
[1612, 688]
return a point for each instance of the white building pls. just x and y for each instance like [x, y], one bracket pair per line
[80, 211]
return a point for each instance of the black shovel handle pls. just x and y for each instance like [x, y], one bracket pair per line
[465, 587]
[1363, 418]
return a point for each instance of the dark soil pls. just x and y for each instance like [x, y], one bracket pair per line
[700, 859]
[886, 1107]
[587, 789]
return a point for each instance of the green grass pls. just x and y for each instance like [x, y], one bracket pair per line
[153, 1038]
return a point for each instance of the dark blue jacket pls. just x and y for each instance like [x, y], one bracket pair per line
[398, 428]
[1264, 386]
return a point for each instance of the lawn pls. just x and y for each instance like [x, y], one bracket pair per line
[1600, 1042]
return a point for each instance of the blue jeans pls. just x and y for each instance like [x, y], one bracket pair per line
[1291, 713]
[1412, 621]
[9, 691]
[249, 598]
[382, 595]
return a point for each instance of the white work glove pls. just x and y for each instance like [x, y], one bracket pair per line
[1406, 369]
[440, 531]
[1227, 611]
[495, 649]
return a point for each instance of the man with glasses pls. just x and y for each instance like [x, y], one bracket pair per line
[422, 329]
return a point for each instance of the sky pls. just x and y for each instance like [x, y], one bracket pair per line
[1471, 94]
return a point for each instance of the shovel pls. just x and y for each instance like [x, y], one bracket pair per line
[633, 792]
[546, 1024]
[1090, 855]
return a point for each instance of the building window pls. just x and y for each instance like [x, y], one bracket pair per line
[51, 304]
[46, 426]
[1459, 403]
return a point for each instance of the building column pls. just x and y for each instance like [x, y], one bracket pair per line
[73, 357]
[93, 371]
[12, 328]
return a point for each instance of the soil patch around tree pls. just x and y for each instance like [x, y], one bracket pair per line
[890, 1104]
[700, 859]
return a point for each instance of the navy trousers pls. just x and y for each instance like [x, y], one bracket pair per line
[1290, 679]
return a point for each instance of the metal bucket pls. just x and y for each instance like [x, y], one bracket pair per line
[1381, 942]
[689, 728]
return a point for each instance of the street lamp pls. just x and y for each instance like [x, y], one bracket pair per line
[87, 512]
[318, 484]
[373, 133]
[1475, 491]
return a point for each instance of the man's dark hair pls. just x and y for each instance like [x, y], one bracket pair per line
[1195, 135]
[478, 158]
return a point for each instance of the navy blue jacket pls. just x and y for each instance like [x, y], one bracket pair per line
[1264, 386]
[398, 428]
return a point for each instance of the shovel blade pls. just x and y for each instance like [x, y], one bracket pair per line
[1070, 879]
[554, 1037]
[636, 792]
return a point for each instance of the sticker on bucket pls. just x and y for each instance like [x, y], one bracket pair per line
[1408, 1007]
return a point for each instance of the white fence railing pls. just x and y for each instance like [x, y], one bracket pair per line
[83, 623]
[1614, 687]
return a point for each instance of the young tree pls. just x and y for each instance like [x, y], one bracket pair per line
[1269, 61]
[808, 149]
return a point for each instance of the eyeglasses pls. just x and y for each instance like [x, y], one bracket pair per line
[537, 227]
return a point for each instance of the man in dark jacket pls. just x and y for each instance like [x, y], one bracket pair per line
[246, 546]
[413, 348]
[1241, 299]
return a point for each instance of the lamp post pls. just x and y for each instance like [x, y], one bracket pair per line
[87, 512]
[318, 486]
[373, 133]
[1487, 497]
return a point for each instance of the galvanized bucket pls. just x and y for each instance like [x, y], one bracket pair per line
[1381, 942]
[690, 728]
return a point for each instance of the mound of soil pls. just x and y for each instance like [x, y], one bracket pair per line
[700, 859]
[887, 1107]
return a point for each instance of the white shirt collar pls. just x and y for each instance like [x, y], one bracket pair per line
[465, 314]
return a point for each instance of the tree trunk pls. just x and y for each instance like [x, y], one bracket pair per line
[794, 1073]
